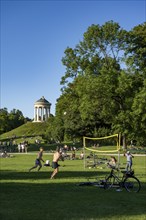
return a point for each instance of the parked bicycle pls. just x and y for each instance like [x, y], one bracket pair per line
[127, 181]
[113, 180]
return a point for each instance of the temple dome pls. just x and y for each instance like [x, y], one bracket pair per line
[42, 101]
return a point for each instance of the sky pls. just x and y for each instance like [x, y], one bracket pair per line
[34, 36]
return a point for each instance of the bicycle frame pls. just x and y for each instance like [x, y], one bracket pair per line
[116, 179]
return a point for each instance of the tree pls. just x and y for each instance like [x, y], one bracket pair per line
[99, 49]
[11, 120]
[4, 120]
[139, 115]
[99, 91]
[136, 60]
[136, 48]
[94, 66]
[16, 118]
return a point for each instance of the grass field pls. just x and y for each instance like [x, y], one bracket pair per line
[33, 196]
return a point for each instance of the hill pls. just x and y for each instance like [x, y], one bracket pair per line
[25, 130]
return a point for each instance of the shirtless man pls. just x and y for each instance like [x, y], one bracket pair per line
[55, 164]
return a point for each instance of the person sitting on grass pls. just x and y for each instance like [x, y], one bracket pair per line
[82, 155]
[38, 160]
[112, 163]
[73, 155]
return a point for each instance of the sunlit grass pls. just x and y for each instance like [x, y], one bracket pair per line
[33, 195]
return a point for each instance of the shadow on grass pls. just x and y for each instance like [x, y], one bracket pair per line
[11, 175]
[56, 200]
[16, 175]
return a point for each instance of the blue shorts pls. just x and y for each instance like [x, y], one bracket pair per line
[37, 162]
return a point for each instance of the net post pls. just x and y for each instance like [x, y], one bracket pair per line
[84, 152]
[119, 141]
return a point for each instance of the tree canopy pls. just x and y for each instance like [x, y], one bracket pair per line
[104, 85]
[11, 120]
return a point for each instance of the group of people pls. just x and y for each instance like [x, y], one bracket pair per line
[22, 147]
[58, 154]
[55, 165]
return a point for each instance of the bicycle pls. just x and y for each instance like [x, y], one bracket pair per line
[128, 181]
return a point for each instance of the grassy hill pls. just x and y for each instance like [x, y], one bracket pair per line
[28, 132]
[28, 129]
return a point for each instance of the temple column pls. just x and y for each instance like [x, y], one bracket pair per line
[46, 113]
[42, 118]
[37, 112]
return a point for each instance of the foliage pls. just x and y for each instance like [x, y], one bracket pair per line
[102, 84]
[139, 116]
[136, 49]
[11, 120]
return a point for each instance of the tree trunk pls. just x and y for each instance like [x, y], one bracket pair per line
[124, 142]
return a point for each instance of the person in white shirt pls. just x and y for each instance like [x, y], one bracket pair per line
[129, 157]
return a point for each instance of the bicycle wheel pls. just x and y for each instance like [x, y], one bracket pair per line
[132, 184]
[108, 182]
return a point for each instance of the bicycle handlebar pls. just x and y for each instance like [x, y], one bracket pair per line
[112, 167]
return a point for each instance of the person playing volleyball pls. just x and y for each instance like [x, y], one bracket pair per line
[38, 160]
[55, 165]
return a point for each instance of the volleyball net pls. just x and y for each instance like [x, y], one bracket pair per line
[93, 147]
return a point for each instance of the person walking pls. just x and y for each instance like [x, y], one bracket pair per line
[55, 165]
[38, 160]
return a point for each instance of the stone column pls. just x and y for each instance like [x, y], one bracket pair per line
[46, 113]
[37, 113]
[34, 114]
[42, 118]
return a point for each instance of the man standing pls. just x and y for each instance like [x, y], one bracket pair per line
[129, 160]
[55, 164]
[38, 160]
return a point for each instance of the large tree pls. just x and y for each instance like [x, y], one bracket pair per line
[99, 90]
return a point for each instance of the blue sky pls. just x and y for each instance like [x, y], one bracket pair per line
[34, 36]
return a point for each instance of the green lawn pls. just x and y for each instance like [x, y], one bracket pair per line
[33, 196]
